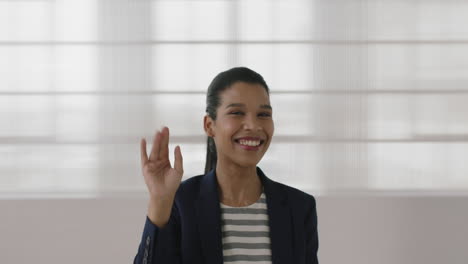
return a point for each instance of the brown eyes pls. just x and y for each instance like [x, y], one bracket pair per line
[239, 113]
[264, 114]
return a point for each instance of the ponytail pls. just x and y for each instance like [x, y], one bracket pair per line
[211, 155]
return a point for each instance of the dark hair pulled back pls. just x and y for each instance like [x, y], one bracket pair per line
[221, 82]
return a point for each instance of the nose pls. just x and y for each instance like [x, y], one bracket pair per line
[252, 123]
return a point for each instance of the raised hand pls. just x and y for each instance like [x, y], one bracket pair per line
[161, 178]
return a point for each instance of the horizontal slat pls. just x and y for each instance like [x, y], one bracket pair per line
[363, 118]
[193, 20]
[342, 92]
[197, 139]
[80, 168]
[149, 43]
[419, 166]
[334, 68]
[319, 19]
[116, 168]
[48, 19]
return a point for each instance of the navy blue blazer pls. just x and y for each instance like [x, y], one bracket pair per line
[193, 233]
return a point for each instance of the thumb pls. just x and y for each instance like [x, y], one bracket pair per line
[178, 161]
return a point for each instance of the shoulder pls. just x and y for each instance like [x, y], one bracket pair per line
[302, 205]
[189, 189]
[295, 195]
[280, 189]
[297, 199]
[192, 182]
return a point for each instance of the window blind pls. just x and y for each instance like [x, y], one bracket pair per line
[367, 95]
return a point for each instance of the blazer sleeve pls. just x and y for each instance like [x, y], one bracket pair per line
[160, 245]
[312, 242]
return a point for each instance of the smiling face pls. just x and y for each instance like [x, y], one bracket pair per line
[243, 127]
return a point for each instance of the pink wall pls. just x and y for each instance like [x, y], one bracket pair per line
[353, 229]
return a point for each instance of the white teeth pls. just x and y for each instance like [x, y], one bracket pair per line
[251, 143]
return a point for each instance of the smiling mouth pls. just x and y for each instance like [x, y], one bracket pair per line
[249, 143]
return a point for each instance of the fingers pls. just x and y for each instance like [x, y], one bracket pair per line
[178, 161]
[164, 146]
[144, 156]
[156, 146]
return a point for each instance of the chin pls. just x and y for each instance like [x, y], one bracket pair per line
[248, 163]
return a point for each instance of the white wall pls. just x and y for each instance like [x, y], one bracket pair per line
[361, 229]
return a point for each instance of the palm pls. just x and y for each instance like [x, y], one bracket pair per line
[161, 178]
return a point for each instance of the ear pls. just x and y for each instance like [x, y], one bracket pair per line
[208, 124]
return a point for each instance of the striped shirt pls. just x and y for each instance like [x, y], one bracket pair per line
[246, 233]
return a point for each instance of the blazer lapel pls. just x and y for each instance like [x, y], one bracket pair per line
[280, 221]
[209, 219]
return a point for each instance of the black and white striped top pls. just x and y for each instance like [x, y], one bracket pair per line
[246, 233]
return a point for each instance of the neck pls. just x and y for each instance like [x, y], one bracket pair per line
[238, 186]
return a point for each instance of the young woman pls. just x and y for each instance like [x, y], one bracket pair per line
[234, 213]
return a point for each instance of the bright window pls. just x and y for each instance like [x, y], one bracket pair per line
[367, 95]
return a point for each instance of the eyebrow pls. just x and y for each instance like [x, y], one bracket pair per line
[264, 106]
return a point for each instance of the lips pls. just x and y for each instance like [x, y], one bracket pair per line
[250, 138]
[249, 143]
